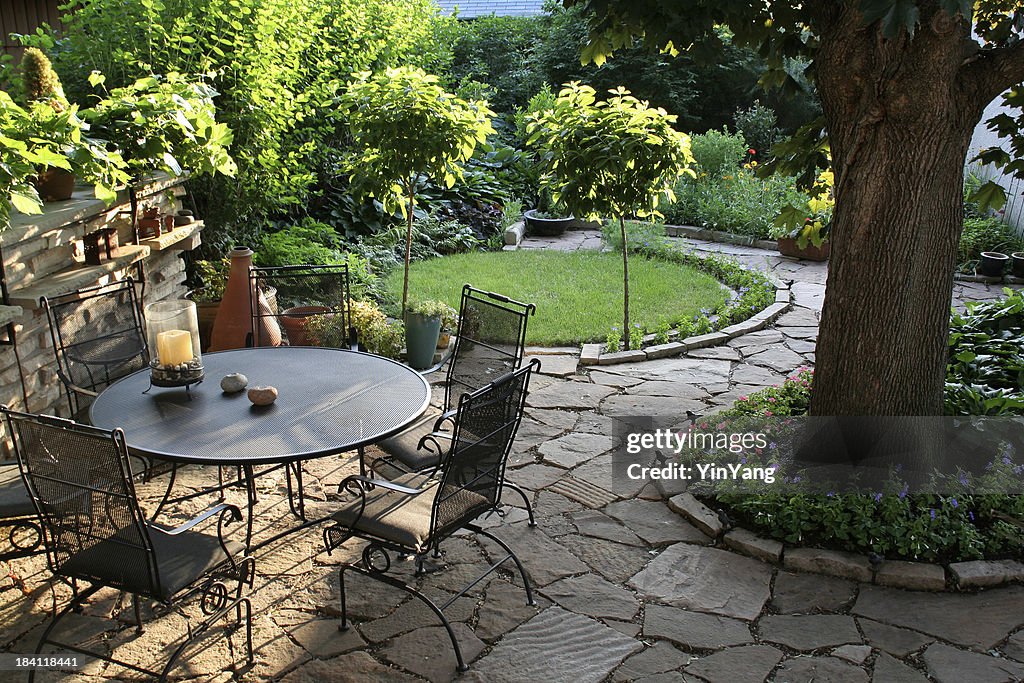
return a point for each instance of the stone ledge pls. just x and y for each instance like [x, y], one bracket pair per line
[174, 238]
[831, 562]
[749, 543]
[9, 314]
[514, 234]
[985, 573]
[700, 515]
[77, 277]
[911, 575]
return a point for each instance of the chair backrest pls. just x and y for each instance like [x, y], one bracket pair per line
[81, 486]
[98, 337]
[490, 341]
[473, 469]
[305, 296]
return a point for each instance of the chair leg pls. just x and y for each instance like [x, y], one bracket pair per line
[519, 565]
[138, 614]
[73, 606]
[460, 661]
[344, 604]
[526, 500]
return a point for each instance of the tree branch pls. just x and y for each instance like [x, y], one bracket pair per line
[992, 71]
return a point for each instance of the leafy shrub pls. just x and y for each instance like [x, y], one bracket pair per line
[735, 201]
[717, 152]
[986, 234]
[758, 126]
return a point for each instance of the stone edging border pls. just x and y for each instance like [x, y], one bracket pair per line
[922, 576]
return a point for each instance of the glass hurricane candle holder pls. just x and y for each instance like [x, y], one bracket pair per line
[172, 328]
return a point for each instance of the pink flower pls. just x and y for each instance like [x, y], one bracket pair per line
[743, 398]
[771, 399]
[768, 413]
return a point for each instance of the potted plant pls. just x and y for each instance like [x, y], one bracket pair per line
[212, 277]
[802, 230]
[422, 329]
[549, 218]
[992, 264]
[41, 84]
[809, 242]
[449, 323]
[404, 125]
[617, 157]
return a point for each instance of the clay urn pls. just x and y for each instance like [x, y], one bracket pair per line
[233, 327]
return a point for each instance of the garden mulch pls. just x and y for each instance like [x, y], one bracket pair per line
[627, 589]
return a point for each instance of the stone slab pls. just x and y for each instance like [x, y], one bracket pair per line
[664, 350]
[749, 543]
[693, 629]
[556, 365]
[702, 340]
[574, 448]
[428, 652]
[911, 575]
[985, 573]
[599, 525]
[698, 514]
[949, 665]
[590, 354]
[658, 658]
[855, 654]
[820, 670]
[654, 522]
[556, 645]
[706, 580]
[594, 596]
[831, 562]
[573, 395]
[890, 670]
[810, 593]
[899, 642]
[618, 357]
[745, 664]
[809, 632]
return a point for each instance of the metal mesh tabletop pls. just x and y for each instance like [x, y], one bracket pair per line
[330, 401]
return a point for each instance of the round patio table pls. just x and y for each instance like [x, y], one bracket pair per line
[330, 401]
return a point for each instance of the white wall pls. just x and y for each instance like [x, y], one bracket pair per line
[1013, 212]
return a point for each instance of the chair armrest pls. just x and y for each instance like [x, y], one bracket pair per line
[236, 516]
[433, 438]
[367, 482]
[444, 417]
[71, 386]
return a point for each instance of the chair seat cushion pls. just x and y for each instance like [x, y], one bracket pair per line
[180, 560]
[403, 446]
[14, 500]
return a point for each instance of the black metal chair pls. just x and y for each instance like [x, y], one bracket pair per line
[304, 294]
[413, 514]
[98, 337]
[490, 342]
[17, 515]
[81, 486]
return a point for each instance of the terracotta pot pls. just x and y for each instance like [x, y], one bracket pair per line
[294, 322]
[233, 328]
[55, 184]
[789, 247]
[444, 339]
[207, 314]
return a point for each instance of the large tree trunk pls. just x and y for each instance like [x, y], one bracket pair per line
[899, 125]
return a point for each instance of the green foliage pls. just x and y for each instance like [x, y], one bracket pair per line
[736, 201]
[985, 374]
[278, 65]
[428, 308]
[758, 126]
[986, 234]
[164, 123]
[717, 152]
[212, 279]
[613, 340]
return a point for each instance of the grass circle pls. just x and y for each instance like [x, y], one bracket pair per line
[578, 294]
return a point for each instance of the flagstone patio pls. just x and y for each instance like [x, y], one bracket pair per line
[627, 589]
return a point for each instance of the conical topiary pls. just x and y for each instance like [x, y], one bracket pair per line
[41, 82]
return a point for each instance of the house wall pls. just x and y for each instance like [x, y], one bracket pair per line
[25, 16]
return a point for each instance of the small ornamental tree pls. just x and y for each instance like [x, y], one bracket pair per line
[404, 125]
[618, 157]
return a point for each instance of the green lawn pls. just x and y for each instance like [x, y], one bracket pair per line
[578, 295]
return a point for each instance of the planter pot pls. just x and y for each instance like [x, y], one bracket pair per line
[233, 327]
[546, 226]
[183, 217]
[55, 184]
[207, 313]
[789, 247]
[444, 339]
[294, 322]
[421, 333]
[1018, 263]
[993, 264]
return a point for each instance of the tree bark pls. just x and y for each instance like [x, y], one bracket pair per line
[408, 244]
[899, 127]
[625, 285]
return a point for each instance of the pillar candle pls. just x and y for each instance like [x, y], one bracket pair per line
[174, 347]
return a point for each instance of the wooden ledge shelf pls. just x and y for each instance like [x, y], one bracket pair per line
[76, 277]
[174, 238]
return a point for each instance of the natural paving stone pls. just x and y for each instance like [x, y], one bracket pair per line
[658, 406]
[706, 580]
[428, 652]
[807, 593]
[898, 642]
[572, 449]
[800, 332]
[591, 595]
[504, 608]
[627, 627]
[600, 525]
[819, 670]
[984, 573]
[699, 514]
[757, 339]
[622, 357]
[536, 476]
[411, 615]
[680, 390]
[600, 471]
[656, 351]
[533, 433]
[746, 664]
[758, 376]
[889, 670]
[801, 346]
[977, 621]
[585, 492]
[911, 575]
[751, 544]
[949, 665]
[798, 317]
[809, 632]
[557, 646]
[322, 639]
[607, 379]
[1014, 647]
[694, 630]
[832, 562]
[566, 394]
[592, 423]
[556, 365]
[658, 658]
[654, 522]
[562, 419]
[778, 358]
[853, 653]
[613, 561]
[694, 370]
[357, 667]
[719, 352]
